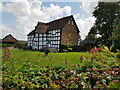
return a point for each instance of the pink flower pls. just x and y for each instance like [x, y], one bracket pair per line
[92, 51]
[98, 82]
[114, 81]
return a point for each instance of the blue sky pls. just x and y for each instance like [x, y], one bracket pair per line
[20, 17]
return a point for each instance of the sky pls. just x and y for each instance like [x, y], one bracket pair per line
[19, 17]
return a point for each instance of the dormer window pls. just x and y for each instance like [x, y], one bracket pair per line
[68, 21]
[72, 22]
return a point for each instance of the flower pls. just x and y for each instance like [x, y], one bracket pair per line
[96, 69]
[92, 58]
[110, 68]
[92, 51]
[40, 54]
[114, 81]
[96, 54]
[116, 69]
[98, 82]
[81, 57]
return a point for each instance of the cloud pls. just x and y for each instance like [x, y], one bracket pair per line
[28, 14]
[86, 20]
[88, 7]
[85, 25]
[56, 10]
[16, 31]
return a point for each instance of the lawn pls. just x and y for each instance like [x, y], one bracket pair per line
[38, 58]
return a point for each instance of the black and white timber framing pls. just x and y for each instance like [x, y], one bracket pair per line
[49, 39]
[49, 34]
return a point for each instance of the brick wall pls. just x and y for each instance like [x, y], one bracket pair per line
[66, 31]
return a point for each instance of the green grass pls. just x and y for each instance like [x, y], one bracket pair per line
[53, 59]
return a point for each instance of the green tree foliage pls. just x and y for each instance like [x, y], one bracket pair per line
[107, 22]
[21, 44]
[91, 37]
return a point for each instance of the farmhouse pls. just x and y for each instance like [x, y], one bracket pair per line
[9, 39]
[54, 34]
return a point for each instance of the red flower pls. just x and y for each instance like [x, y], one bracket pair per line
[92, 58]
[96, 69]
[110, 68]
[98, 82]
[81, 57]
[95, 77]
[113, 73]
[99, 49]
[92, 51]
[96, 54]
[39, 54]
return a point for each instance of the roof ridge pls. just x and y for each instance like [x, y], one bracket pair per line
[9, 36]
[55, 24]
[60, 19]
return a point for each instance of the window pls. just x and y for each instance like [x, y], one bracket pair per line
[44, 35]
[54, 32]
[40, 35]
[44, 39]
[58, 42]
[68, 21]
[40, 39]
[36, 35]
[58, 34]
[49, 42]
[58, 38]
[72, 22]
[44, 43]
[40, 43]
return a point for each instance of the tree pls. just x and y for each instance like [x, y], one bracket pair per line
[115, 37]
[91, 37]
[107, 21]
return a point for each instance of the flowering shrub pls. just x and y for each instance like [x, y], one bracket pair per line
[101, 70]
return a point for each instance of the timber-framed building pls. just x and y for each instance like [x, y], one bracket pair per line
[54, 34]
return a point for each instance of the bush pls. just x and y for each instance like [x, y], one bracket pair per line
[101, 70]
[6, 45]
[48, 49]
[20, 45]
[75, 48]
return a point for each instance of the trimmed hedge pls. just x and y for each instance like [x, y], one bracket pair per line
[76, 48]
[6, 45]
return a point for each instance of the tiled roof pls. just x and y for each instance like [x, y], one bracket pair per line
[42, 28]
[9, 38]
[31, 33]
[56, 24]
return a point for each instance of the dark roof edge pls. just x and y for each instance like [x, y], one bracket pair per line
[75, 23]
[11, 36]
[31, 33]
[60, 19]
